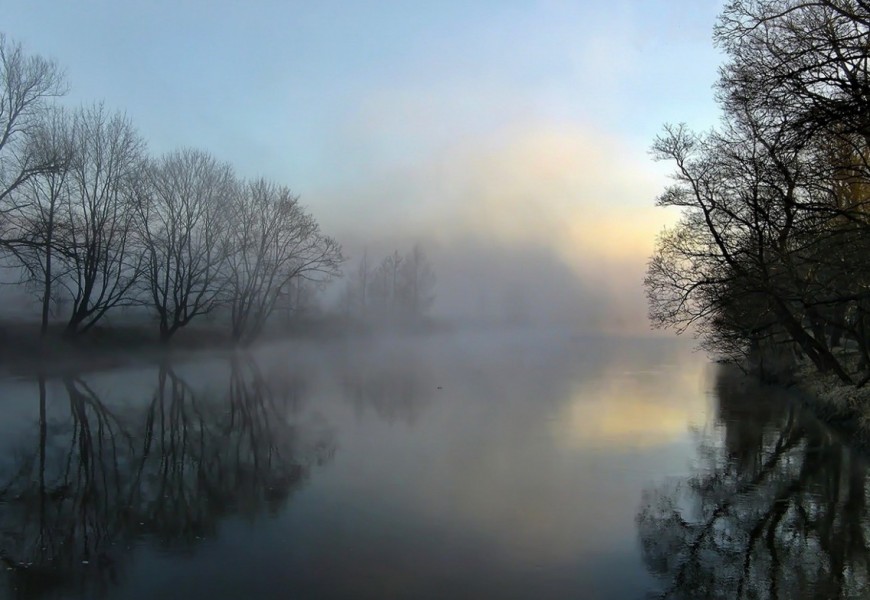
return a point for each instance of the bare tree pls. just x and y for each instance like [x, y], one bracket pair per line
[273, 241]
[738, 262]
[183, 221]
[417, 282]
[379, 288]
[40, 218]
[299, 297]
[400, 288]
[772, 248]
[100, 209]
[809, 57]
[386, 283]
[359, 289]
[27, 83]
[364, 273]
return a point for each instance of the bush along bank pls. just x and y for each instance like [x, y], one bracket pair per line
[844, 406]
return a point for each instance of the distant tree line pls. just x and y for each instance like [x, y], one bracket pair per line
[771, 257]
[95, 223]
[399, 288]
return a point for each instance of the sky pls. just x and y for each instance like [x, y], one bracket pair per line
[509, 138]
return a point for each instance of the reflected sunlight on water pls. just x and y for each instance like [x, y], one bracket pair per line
[451, 466]
[636, 408]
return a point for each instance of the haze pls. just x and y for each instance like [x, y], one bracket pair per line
[352, 299]
[507, 138]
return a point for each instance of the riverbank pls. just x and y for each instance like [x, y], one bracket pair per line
[845, 407]
[23, 351]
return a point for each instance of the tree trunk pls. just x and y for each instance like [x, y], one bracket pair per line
[46, 290]
[818, 353]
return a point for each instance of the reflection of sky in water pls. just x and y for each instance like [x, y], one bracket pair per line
[519, 477]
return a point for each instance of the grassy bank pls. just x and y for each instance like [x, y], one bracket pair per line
[847, 407]
[23, 351]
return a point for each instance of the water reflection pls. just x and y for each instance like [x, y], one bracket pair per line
[397, 388]
[776, 507]
[461, 467]
[90, 481]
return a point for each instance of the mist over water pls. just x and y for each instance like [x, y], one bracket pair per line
[467, 465]
[353, 299]
[517, 464]
[539, 223]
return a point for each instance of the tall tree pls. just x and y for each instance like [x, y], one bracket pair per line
[183, 220]
[736, 263]
[100, 209]
[27, 84]
[775, 202]
[41, 221]
[809, 57]
[417, 278]
[273, 241]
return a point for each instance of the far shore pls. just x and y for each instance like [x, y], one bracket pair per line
[24, 352]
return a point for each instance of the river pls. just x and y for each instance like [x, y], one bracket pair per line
[525, 465]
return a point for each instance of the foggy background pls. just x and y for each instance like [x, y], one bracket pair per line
[509, 140]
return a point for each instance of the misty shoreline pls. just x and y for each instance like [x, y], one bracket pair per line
[116, 346]
[24, 353]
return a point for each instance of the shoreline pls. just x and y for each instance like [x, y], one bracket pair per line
[844, 408]
[23, 352]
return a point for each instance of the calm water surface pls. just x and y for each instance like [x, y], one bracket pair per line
[510, 466]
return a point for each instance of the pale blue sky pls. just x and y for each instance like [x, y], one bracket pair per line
[394, 116]
[281, 87]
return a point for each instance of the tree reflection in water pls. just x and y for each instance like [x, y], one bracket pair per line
[776, 508]
[94, 481]
[397, 390]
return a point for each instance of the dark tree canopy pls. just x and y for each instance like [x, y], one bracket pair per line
[769, 259]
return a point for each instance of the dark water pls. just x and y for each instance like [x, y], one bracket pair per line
[541, 466]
